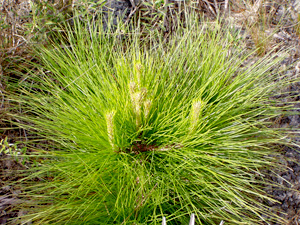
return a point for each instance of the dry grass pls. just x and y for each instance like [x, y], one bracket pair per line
[22, 24]
[13, 40]
[13, 46]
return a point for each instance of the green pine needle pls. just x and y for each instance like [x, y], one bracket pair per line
[144, 128]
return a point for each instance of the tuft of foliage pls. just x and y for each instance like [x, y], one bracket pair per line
[141, 129]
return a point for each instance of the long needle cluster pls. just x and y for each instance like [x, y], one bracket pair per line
[195, 118]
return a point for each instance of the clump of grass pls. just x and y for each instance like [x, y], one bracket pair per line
[261, 40]
[297, 25]
[152, 128]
